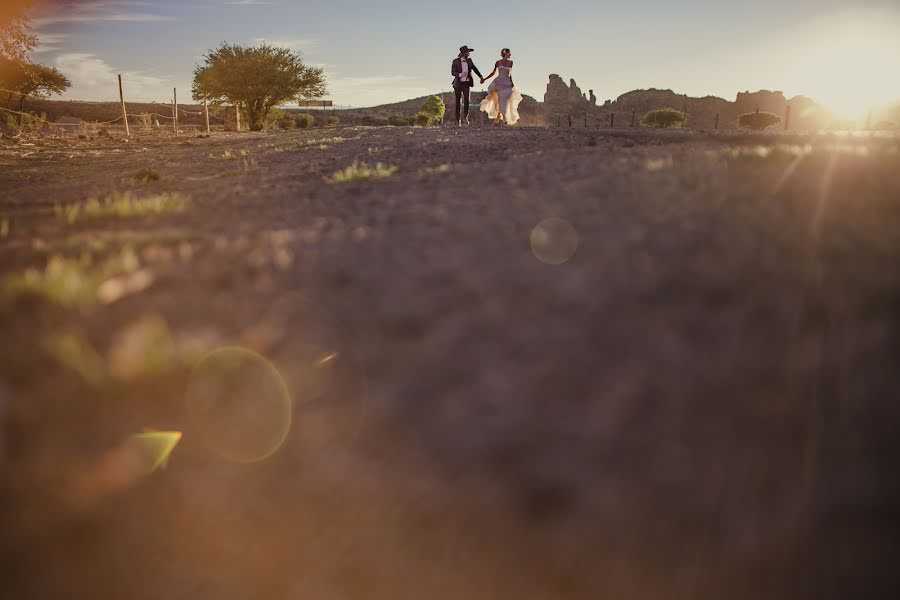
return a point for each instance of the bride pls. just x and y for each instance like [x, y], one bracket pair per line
[502, 101]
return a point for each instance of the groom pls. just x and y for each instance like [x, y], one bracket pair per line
[462, 70]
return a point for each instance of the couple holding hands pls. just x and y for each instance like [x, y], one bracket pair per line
[502, 101]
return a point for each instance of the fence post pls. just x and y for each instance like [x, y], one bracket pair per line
[570, 120]
[175, 109]
[684, 113]
[612, 120]
[206, 115]
[633, 115]
[717, 122]
[787, 117]
[585, 120]
[122, 101]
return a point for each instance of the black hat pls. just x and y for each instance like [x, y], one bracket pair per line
[464, 49]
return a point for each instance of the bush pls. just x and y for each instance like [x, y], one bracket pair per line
[424, 120]
[433, 108]
[304, 121]
[758, 121]
[280, 119]
[663, 118]
[400, 121]
[332, 121]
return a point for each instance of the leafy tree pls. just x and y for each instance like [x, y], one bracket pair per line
[434, 108]
[758, 121]
[256, 79]
[663, 118]
[30, 79]
[16, 39]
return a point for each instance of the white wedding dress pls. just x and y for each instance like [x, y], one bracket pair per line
[503, 98]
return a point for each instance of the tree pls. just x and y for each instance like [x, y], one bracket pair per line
[256, 79]
[663, 119]
[434, 108]
[758, 121]
[24, 79]
[16, 39]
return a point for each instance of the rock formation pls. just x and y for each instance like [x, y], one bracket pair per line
[562, 100]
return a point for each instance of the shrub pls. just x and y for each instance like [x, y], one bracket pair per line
[332, 121]
[758, 121]
[256, 79]
[400, 121]
[305, 121]
[424, 120]
[280, 119]
[374, 121]
[434, 108]
[663, 118]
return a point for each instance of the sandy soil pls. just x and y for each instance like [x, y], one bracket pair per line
[683, 385]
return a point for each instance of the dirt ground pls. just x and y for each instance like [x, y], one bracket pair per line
[530, 363]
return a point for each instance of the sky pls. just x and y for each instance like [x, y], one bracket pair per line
[844, 54]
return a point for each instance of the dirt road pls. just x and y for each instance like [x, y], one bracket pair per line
[529, 363]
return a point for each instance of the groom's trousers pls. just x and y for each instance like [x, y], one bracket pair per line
[462, 93]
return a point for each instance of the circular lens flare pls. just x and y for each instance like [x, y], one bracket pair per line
[554, 241]
[239, 404]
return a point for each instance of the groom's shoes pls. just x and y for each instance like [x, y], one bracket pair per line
[466, 120]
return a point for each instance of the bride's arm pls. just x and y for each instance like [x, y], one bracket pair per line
[494, 72]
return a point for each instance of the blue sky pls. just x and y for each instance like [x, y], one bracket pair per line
[843, 53]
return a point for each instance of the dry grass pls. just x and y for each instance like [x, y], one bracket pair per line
[362, 172]
[121, 206]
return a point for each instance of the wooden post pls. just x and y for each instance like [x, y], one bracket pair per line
[175, 109]
[206, 115]
[787, 117]
[684, 113]
[612, 120]
[633, 115]
[585, 120]
[570, 120]
[124, 114]
[717, 121]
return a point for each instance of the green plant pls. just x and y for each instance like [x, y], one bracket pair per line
[663, 118]
[758, 121]
[332, 121]
[423, 120]
[305, 121]
[362, 172]
[119, 205]
[434, 108]
[73, 282]
[256, 79]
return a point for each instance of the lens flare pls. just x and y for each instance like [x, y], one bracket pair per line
[239, 404]
[554, 241]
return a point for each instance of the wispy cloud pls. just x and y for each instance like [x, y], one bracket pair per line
[50, 42]
[95, 79]
[98, 12]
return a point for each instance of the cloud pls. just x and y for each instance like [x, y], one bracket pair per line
[95, 79]
[97, 12]
[49, 42]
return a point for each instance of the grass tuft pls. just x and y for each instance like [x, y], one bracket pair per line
[78, 282]
[363, 172]
[121, 206]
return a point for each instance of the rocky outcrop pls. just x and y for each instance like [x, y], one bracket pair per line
[702, 113]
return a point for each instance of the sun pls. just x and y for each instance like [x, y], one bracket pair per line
[848, 63]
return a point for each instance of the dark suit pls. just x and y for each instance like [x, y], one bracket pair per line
[462, 88]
